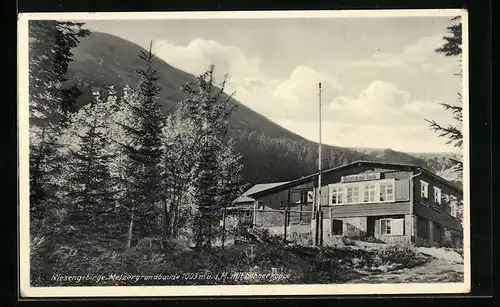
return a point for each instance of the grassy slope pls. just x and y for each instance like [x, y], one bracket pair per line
[258, 263]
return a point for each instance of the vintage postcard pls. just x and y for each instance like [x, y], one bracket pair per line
[243, 153]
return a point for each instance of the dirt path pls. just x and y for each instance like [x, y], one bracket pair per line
[436, 270]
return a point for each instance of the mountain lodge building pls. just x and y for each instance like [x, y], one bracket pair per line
[367, 200]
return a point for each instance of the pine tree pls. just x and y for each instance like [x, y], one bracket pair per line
[205, 193]
[50, 44]
[452, 48]
[144, 190]
[207, 110]
[90, 184]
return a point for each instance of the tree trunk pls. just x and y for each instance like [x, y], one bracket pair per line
[175, 225]
[130, 229]
[199, 232]
[166, 223]
[173, 217]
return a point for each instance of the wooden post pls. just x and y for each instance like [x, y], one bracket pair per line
[300, 213]
[285, 227]
[320, 228]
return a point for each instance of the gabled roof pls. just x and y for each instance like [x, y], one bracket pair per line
[257, 188]
[408, 167]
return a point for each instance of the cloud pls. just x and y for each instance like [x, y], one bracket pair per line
[303, 85]
[291, 97]
[199, 54]
[380, 115]
[382, 103]
[420, 55]
[380, 96]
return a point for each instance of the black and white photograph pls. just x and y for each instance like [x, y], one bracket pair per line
[243, 153]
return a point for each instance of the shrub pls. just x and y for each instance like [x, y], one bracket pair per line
[263, 235]
[302, 239]
[242, 231]
[402, 253]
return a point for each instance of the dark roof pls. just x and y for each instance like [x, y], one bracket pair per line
[409, 167]
[256, 189]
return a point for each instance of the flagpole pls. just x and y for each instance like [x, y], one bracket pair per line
[318, 216]
[319, 149]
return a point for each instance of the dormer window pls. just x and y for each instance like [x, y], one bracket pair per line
[424, 189]
[437, 195]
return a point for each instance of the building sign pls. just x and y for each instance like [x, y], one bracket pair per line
[361, 177]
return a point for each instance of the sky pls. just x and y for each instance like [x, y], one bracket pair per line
[380, 76]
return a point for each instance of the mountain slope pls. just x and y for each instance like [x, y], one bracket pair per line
[392, 155]
[442, 164]
[270, 152]
[103, 59]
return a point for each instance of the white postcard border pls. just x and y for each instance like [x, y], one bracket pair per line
[26, 291]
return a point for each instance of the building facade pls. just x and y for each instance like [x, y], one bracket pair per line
[365, 200]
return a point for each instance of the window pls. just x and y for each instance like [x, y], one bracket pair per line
[309, 196]
[338, 195]
[261, 205]
[306, 197]
[248, 213]
[337, 226]
[447, 198]
[453, 210]
[352, 194]
[437, 195]
[453, 206]
[363, 192]
[369, 193]
[392, 226]
[386, 192]
[385, 227]
[282, 204]
[424, 189]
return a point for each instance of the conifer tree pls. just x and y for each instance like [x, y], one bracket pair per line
[50, 103]
[452, 48]
[143, 192]
[90, 184]
[207, 109]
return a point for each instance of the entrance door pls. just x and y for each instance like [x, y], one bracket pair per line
[370, 225]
